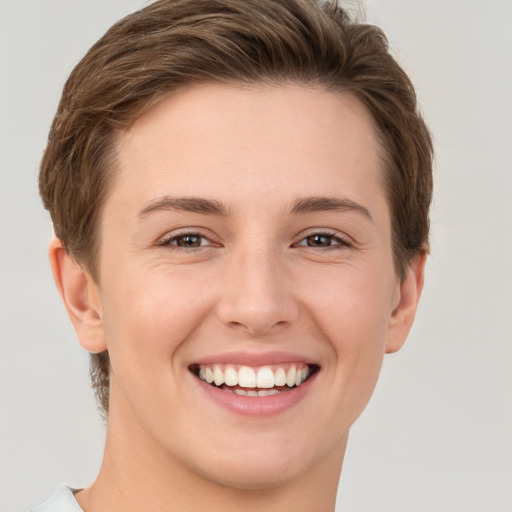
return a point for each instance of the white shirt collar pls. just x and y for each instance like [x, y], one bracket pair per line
[62, 500]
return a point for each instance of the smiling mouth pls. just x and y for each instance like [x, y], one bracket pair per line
[254, 381]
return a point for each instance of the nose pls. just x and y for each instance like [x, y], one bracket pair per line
[258, 296]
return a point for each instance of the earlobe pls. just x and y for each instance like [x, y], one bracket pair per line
[80, 296]
[403, 315]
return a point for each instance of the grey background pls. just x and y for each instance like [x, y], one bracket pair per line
[437, 433]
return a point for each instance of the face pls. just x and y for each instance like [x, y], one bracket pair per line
[247, 240]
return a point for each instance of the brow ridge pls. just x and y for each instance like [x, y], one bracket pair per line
[186, 203]
[321, 204]
[205, 206]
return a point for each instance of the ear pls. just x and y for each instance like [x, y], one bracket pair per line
[80, 295]
[409, 294]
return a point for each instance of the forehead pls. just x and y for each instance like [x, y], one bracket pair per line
[250, 140]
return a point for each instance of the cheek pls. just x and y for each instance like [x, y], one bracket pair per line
[148, 317]
[354, 307]
[146, 320]
[353, 315]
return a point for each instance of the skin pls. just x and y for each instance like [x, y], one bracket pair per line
[254, 285]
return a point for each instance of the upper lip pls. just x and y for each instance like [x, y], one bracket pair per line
[255, 359]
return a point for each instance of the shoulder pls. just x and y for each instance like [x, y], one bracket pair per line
[62, 500]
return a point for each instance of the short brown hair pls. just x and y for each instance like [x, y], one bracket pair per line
[172, 43]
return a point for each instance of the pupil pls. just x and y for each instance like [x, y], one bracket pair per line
[189, 241]
[319, 241]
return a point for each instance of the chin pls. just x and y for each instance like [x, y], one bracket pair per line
[260, 466]
[248, 476]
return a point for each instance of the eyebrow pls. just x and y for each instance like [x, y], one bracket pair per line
[186, 204]
[212, 207]
[322, 204]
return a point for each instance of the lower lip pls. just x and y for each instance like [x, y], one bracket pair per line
[256, 405]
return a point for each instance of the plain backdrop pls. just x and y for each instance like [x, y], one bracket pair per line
[437, 435]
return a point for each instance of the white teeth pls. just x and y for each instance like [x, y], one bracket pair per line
[230, 376]
[280, 377]
[218, 375]
[265, 378]
[246, 377]
[290, 376]
[252, 392]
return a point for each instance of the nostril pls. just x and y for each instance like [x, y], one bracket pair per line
[259, 326]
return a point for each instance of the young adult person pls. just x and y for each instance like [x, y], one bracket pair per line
[240, 196]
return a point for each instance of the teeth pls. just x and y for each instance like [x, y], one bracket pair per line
[290, 376]
[261, 392]
[218, 375]
[262, 381]
[280, 377]
[265, 378]
[246, 377]
[253, 392]
[230, 376]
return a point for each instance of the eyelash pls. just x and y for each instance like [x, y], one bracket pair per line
[341, 242]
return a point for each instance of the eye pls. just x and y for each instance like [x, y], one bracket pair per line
[322, 240]
[187, 240]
